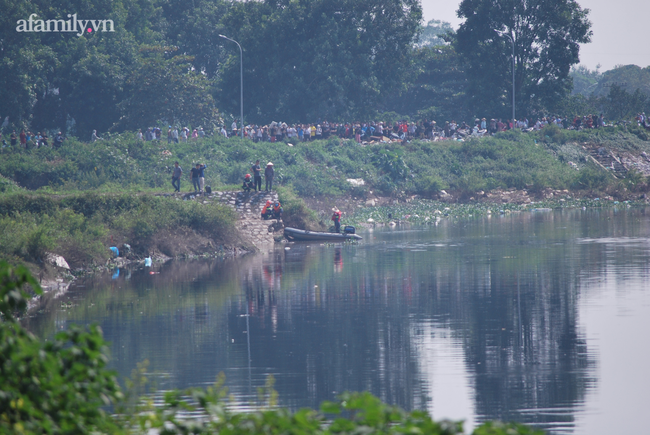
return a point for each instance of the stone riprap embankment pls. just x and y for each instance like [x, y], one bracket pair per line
[248, 206]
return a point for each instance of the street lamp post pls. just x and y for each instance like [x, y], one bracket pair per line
[512, 40]
[241, 76]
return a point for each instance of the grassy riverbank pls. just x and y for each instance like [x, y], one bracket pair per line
[84, 197]
[80, 227]
[509, 160]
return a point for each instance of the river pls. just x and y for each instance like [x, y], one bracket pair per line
[537, 317]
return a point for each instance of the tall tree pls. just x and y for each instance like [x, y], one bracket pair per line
[437, 88]
[584, 80]
[24, 64]
[620, 104]
[434, 33]
[627, 77]
[546, 34]
[165, 88]
[305, 59]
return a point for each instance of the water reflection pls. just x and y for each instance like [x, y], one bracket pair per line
[476, 320]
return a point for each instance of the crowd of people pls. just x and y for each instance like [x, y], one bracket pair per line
[28, 140]
[173, 134]
[380, 130]
[424, 130]
[359, 131]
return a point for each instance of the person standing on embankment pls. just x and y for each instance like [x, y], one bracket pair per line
[268, 176]
[194, 177]
[257, 175]
[202, 177]
[176, 177]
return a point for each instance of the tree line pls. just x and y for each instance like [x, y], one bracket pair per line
[303, 60]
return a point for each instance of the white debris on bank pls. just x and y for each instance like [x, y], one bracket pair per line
[56, 260]
[356, 181]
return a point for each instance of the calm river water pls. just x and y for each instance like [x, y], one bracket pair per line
[539, 317]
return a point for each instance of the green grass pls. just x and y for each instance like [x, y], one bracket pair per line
[123, 164]
[80, 226]
[87, 192]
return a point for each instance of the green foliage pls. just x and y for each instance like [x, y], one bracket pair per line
[543, 57]
[553, 133]
[58, 386]
[325, 65]
[124, 165]
[392, 164]
[13, 297]
[435, 33]
[621, 104]
[350, 413]
[167, 90]
[429, 185]
[295, 212]
[27, 235]
[591, 178]
[628, 77]
[438, 86]
[584, 80]
[8, 186]
[77, 226]
[581, 105]
[635, 180]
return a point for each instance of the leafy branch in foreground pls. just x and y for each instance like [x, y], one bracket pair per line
[58, 386]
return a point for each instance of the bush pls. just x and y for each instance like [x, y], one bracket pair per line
[59, 386]
[77, 226]
[429, 185]
[636, 181]
[552, 133]
[295, 212]
[591, 178]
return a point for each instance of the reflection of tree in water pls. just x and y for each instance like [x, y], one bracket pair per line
[506, 289]
[513, 306]
[521, 343]
[513, 302]
[329, 335]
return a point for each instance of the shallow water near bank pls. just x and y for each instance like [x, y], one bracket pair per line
[535, 317]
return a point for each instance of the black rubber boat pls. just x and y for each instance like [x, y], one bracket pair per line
[318, 236]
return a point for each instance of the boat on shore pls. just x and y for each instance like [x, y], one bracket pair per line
[295, 234]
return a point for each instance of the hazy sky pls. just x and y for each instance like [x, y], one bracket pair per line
[619, 37]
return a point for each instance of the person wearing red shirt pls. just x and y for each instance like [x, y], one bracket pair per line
[336, 217]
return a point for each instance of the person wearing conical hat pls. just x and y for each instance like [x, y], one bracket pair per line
[336, 217]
